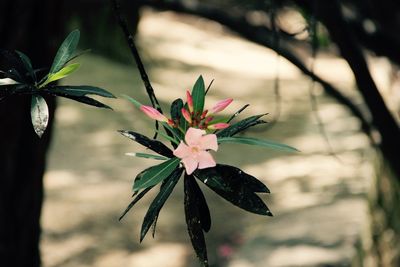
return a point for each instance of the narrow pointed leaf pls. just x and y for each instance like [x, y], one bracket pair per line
[159, 201]
[257, 142]
[134, 201]
[193, 221]
[86, 100]
[64, 72]
[235, 186]
[39, 114]
[65, 51]
[151, 144]
[147, 156]
[78, 90]
[240, 126]
[201, 203]
[156, 174]
[133, 101]
[28, 64]
[198, 94]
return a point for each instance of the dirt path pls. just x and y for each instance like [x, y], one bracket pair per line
[318, 202]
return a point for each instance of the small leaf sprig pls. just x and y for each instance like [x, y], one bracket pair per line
[18, 77]
[193, 133]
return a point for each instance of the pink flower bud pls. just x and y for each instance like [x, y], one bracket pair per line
[221, 105]
[218, 126]
[186, 115]
[153, 113]
[189, 101]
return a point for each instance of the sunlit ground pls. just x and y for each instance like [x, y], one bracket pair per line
[319, 201]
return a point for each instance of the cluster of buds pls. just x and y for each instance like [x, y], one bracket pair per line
[201, 120]
[204, 120]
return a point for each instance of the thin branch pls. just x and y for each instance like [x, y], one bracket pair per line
[135, 53]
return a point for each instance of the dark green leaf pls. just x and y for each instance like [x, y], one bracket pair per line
[257, 142]
[240, 126]
[78, 90]
[84, 99]
[176, 108]
[12, 66]
[155, 207]
[65, 51]
[135, 200]
[238, 112]
[193, 221]
[156, 174]
[39, 114]
[198, 94]
[28, 64]
[235, 186]
[201, 203]
[151, 144]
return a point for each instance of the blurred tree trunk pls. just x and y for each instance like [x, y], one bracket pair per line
[33, 27]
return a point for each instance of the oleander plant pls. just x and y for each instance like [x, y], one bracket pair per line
[195, 133]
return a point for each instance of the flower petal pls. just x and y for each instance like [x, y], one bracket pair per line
[190, 164]
[193, 136]
[221, 105]
[209, 141]
[206, 160]
[153, 113]
[182, 151]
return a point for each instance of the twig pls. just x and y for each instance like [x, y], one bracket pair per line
[135, 53]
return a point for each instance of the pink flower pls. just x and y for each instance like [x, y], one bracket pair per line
[218, 126]
[194, 153]
[153, 113]
[221, 105]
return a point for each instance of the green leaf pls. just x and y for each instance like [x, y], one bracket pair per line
[135, 200]
[198, 94]
[65, 51]
[193, 221]
[257, 142]
[235, 186]
[151, 144]
[201, 204]
[86, 100]
[146, 156]
[27, 64]
[175, 110]
[133, 101]
[156, 174]
[159, 201]
[77, 90]
[39, 114]
[240, 126]
[64, 72]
